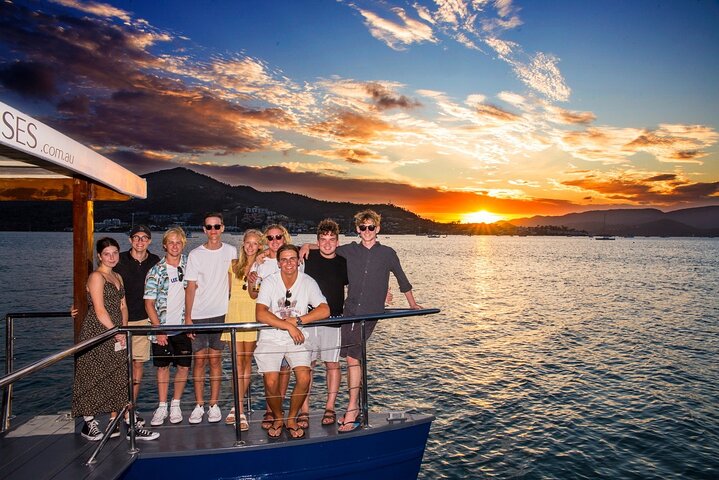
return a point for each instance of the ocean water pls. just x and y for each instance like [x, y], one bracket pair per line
[552, 357]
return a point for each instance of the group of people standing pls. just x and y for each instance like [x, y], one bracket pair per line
[267, 280]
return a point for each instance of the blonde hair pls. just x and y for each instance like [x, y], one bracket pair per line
[175, 231]
[239, 265]
[364, 215]
[285, 233]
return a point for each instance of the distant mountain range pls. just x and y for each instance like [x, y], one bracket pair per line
[701, 221]
[180, 195]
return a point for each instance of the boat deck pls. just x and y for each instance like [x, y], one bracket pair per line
[47, 447]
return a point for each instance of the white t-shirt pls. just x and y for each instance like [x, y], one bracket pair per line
[209, 269]
[175, 298]
[304, 292]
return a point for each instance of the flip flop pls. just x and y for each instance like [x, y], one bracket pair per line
[291, 430]
[329, 417]
[355, 425]
[277, 431]
[267, 420]
[303, 421]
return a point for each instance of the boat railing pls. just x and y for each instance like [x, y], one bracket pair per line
[11, 376]
[7, 381]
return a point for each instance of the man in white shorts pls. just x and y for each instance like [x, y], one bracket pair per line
[283, 303]
[330, 272]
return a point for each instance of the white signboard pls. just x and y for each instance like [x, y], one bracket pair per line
[22, 132]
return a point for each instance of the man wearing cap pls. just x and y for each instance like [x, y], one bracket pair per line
[133, 267]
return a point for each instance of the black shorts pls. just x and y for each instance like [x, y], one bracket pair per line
[352, 338]
[178, 351]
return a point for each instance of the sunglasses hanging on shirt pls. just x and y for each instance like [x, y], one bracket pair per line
[288, 294]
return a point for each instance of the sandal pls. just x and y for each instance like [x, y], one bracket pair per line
[329, 417]
[274, 432]
[244, 425]
[292, 430]
[268, 420]
[303, 421]
[354, 425]
[230, 417]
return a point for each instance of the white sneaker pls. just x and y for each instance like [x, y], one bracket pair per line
[175, 412]
[214, 415]
[197, 414]
[160, 415]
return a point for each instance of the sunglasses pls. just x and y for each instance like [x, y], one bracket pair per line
[279, 236]
[140, 238]
[216, 226]
[180, 273]
[244, 283]
[367, 227]
[288, 294]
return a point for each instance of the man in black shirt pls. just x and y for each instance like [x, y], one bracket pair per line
[133, 267]
[329, 270]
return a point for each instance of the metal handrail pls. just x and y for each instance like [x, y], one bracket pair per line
[7, 380]
[53, 359]
[334, 321]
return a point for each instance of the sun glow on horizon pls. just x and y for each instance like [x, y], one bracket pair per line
[481, 216]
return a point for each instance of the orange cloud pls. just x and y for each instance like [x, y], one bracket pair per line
[426, 201]
[664, 189]
[497, 113]
[351, 127]
[351, 155]
[675, 143]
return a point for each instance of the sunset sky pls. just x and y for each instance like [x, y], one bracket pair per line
[445, 108]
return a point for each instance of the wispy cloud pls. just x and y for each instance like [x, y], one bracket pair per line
[675, 143]
[395, 27]
[473, 24]
[96, 8]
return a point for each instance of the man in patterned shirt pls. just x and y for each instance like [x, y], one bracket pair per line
[165, 305]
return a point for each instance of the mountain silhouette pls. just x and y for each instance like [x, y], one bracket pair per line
[180, 195]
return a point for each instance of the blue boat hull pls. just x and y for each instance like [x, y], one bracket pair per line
[395, 452]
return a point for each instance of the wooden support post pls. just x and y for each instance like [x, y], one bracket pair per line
[83, 230]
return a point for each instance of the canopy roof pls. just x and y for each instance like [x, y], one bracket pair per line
[39, 163]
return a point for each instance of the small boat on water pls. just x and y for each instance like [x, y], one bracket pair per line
[604, 235]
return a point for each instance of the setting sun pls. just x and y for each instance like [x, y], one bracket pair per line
[481, 216]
